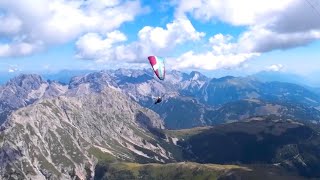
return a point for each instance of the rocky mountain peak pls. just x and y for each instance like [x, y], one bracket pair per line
[26, 81]
[97, 81]
[195, 75]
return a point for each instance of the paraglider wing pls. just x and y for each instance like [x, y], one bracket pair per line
[157, 64]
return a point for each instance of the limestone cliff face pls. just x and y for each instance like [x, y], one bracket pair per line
[53, 138]
[24, 90]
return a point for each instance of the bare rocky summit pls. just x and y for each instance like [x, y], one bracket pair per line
[25, 89]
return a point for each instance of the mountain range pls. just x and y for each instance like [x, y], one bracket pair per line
[206, 97]
[98, 123]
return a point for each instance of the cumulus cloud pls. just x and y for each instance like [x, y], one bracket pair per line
[235, 12]
[264, 40]
[177, 32]
[46, 22]
[221, 44]
[272, 24]
[299, 16]
[17, 49]
[275, 67]
[9, 24]
[93, 46]
[210, 61]
[155, 40]
[151, 40]
[223, 54]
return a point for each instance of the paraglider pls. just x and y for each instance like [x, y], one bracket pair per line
[158, 67]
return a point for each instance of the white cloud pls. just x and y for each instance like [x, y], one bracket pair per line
[157, 39]
[223, 54]
[221, 44]
[17, 49]
[13, 68]
[49, 22]
[210, 61]
[264, 40]
[275, 67]
[151, 40]
[272, 24]
[9, 24]
[235, 12]
[298, 17]
[93, 46]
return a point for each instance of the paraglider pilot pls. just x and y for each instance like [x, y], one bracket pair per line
[158, 100]
[157, 64]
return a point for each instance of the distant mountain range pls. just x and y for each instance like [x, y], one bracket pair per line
[202, 101]
[268, 76]
[228, 89]
[310, 80]
[63, 76]
[97, 122]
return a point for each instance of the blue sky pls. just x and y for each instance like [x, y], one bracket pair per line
[214, 37]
